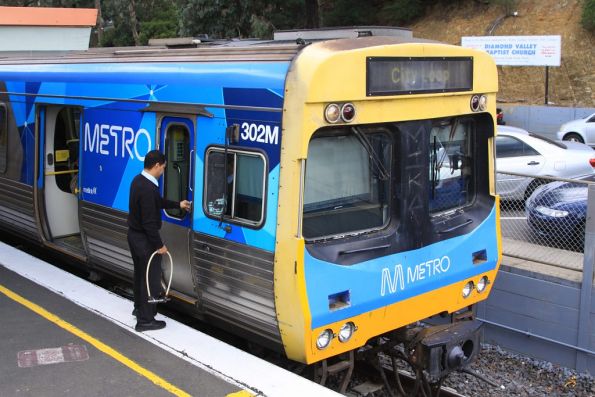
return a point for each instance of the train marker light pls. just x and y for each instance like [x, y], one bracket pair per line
[482, 284]
[475, 103]
[332, 113]
[346, 332]
[324, 339]
[467, 289]
[347, 112]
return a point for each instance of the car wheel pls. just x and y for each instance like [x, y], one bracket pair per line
[574, 137]
[532, 186]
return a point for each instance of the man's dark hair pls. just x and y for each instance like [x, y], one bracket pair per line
[152, 158]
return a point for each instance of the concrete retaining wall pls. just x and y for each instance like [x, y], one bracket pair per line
[539, 317]
[544, 120]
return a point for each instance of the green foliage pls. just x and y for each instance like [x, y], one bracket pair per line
[403, 11]
[220, 18]
[350, 12]
[154, 19]
[588, 15]
[372, 12]
[239, 18]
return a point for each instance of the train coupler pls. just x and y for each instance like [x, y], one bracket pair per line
[442, 349]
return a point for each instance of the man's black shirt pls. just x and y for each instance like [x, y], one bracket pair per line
[144, 209]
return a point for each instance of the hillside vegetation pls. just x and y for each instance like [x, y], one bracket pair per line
[571, 84]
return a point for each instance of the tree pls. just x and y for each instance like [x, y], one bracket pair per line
[312, 14]
[130, 22]
[240, 18]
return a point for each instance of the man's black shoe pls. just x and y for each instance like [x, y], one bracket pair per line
[149, 326]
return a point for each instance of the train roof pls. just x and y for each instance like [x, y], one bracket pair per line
[284, 47]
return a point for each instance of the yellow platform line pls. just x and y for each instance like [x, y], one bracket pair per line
[95, 342]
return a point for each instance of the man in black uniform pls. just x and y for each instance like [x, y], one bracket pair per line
[144, 221]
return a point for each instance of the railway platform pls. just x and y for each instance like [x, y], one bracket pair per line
[63, 336]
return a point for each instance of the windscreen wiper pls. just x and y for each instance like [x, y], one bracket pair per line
[383, 172]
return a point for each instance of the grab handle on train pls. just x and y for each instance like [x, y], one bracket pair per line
[165, 298]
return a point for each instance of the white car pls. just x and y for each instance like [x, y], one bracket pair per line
[522, 152]
[581, 130]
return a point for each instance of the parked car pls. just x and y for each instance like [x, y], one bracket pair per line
[581, 130]
[500, 117]
[557, 211]
[522, 152]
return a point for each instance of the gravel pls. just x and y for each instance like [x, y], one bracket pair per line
[518, 375]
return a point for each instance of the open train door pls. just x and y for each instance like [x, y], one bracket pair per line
[177, 143]
[58, 144]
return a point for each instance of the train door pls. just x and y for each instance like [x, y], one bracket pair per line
[177, 143]
[59, 149]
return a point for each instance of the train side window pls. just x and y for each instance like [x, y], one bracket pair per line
[235, 188]
[177, 152]
[3, 138]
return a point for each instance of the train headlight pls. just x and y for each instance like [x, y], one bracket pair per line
[346, 332]
[324, 339]
[479, 103]
[467, 289]
[482, 284]
[332, 113]
[483, 102]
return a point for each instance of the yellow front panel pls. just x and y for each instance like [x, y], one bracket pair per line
[327, 72]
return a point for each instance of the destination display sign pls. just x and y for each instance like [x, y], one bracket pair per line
[406, 75]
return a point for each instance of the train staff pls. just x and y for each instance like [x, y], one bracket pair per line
[144, 222]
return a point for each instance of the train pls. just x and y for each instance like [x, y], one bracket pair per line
[342, 180]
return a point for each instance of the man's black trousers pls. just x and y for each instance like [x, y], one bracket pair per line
[141, 252]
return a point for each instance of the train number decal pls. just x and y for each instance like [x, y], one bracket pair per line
[262, 133]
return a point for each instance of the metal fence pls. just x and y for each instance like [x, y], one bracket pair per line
[543, 219]
[545, 311]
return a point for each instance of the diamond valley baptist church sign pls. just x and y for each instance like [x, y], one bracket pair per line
[518, 50]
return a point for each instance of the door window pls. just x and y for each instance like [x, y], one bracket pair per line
[66, 149]
[176, 175]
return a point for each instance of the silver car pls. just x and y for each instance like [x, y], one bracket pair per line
[581, 130]
[521, 152]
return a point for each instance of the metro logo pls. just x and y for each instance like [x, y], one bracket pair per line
[116, 141]
[393, 281]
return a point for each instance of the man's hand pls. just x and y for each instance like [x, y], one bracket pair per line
[186, 205]
[162, 250]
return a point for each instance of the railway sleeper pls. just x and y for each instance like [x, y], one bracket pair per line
[343, 365]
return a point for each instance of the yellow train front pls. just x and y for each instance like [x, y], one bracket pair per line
[387, 210]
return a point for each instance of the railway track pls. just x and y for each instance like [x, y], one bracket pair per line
[380, 379]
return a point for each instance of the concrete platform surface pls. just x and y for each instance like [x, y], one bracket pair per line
[63, 336]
